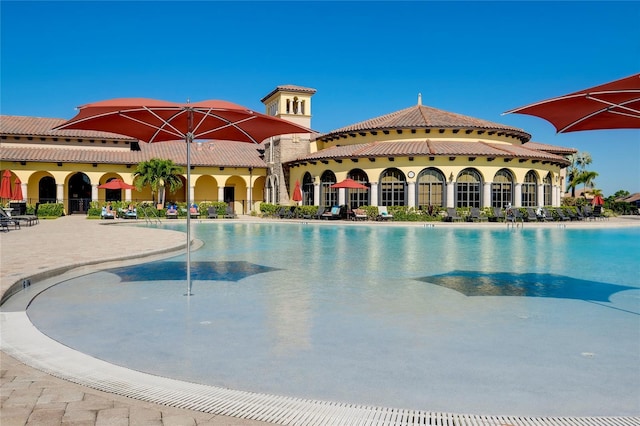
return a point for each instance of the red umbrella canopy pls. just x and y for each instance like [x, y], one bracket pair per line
[349, 184]
[116, 184]
[614, 105]
[17, 190]
[152, 120]
[5, 185]
[297, 192]
[597, 200]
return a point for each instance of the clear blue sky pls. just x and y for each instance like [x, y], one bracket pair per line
[365, 59]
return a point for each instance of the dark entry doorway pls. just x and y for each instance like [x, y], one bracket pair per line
[79, 193]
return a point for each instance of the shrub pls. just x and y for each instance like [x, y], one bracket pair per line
[51, 210]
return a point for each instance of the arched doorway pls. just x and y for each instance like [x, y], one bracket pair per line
[47, 190]
[79, 190]
[308, 190]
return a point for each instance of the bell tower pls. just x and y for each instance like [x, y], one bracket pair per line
[291, 103]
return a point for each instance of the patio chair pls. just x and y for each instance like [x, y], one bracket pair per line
[531, 215]
[172, 213]
[548, 215]
[561, 215]
[498, 214]
[383, 214]
[452, 215]
[514, 216]
[229, 213]
[319, 213]
[476, 216]
[107, 214]
[7, 220]
[27, 219]
[194, 212]
[332, 214]
[597, 212]
[359, 214]
[212, 213]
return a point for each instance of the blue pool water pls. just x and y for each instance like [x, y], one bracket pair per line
[482, 321]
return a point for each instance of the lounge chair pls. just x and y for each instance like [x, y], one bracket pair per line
[334, 213]
[27, 219]
[547, 215]
[587, 212]
[531, 215]
[229, 213]
[194, 213]
[6, 220]
[383, 214]
[131, 214]
[598, 213]
[172, 214]
[514, 216]
[212, 213]
[106, 214]
[359, 214]
[476, 216]
[498, 214]
[561, 215]
[452, 215]
[320, 212]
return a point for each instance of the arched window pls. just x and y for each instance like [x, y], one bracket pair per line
[308, 190]
[47, 190]
[392, 188]
[502, 189]
[529, 189]
[430, 188]
[329, 196]
[547, 190]
[272, 193]
[358, 197]
[468, 186]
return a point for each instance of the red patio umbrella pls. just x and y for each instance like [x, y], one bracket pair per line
[597, 200]
[152, 120]
[5, 185]
[17, 190]
[349, 183]
[613, 105]
[116, 184]
[297, 192]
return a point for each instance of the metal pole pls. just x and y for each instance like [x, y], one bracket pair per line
[189, 139]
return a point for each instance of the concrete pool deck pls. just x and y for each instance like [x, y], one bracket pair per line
[29, 396]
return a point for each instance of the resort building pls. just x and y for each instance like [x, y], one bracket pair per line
[416, 157]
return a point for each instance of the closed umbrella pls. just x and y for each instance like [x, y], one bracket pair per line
[17, 190]
[613, 105]
[297, 192]
[151, 120]
[5, 185]
[597, 200]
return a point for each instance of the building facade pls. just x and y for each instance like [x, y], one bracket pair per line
[416, 157]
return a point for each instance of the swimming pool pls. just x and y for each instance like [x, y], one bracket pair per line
[484, 321]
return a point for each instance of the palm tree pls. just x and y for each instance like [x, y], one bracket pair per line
[587, 178]
[572, 174]
[158, 174]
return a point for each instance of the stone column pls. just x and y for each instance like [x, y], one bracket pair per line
[316, 194]
[94, 192]
[60, 193]
[127, 195]
[540, 194]
[411, 194]
[221, 193]
[517, 195]
[342, 199]
[486, 194]
[450, 194]
[249, 201]
[374, 193]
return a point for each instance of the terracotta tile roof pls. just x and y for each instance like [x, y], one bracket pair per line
[422, 117]
[289, 88]
[554, 149]
[432, 148]
[215, 153]
[39, 126]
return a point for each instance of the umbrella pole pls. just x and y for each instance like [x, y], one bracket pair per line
[189, 138]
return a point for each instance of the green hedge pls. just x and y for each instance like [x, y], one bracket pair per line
[50, 210]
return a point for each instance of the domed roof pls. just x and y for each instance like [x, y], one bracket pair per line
[424, 117]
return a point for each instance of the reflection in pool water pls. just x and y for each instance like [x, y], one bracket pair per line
[356, 313]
